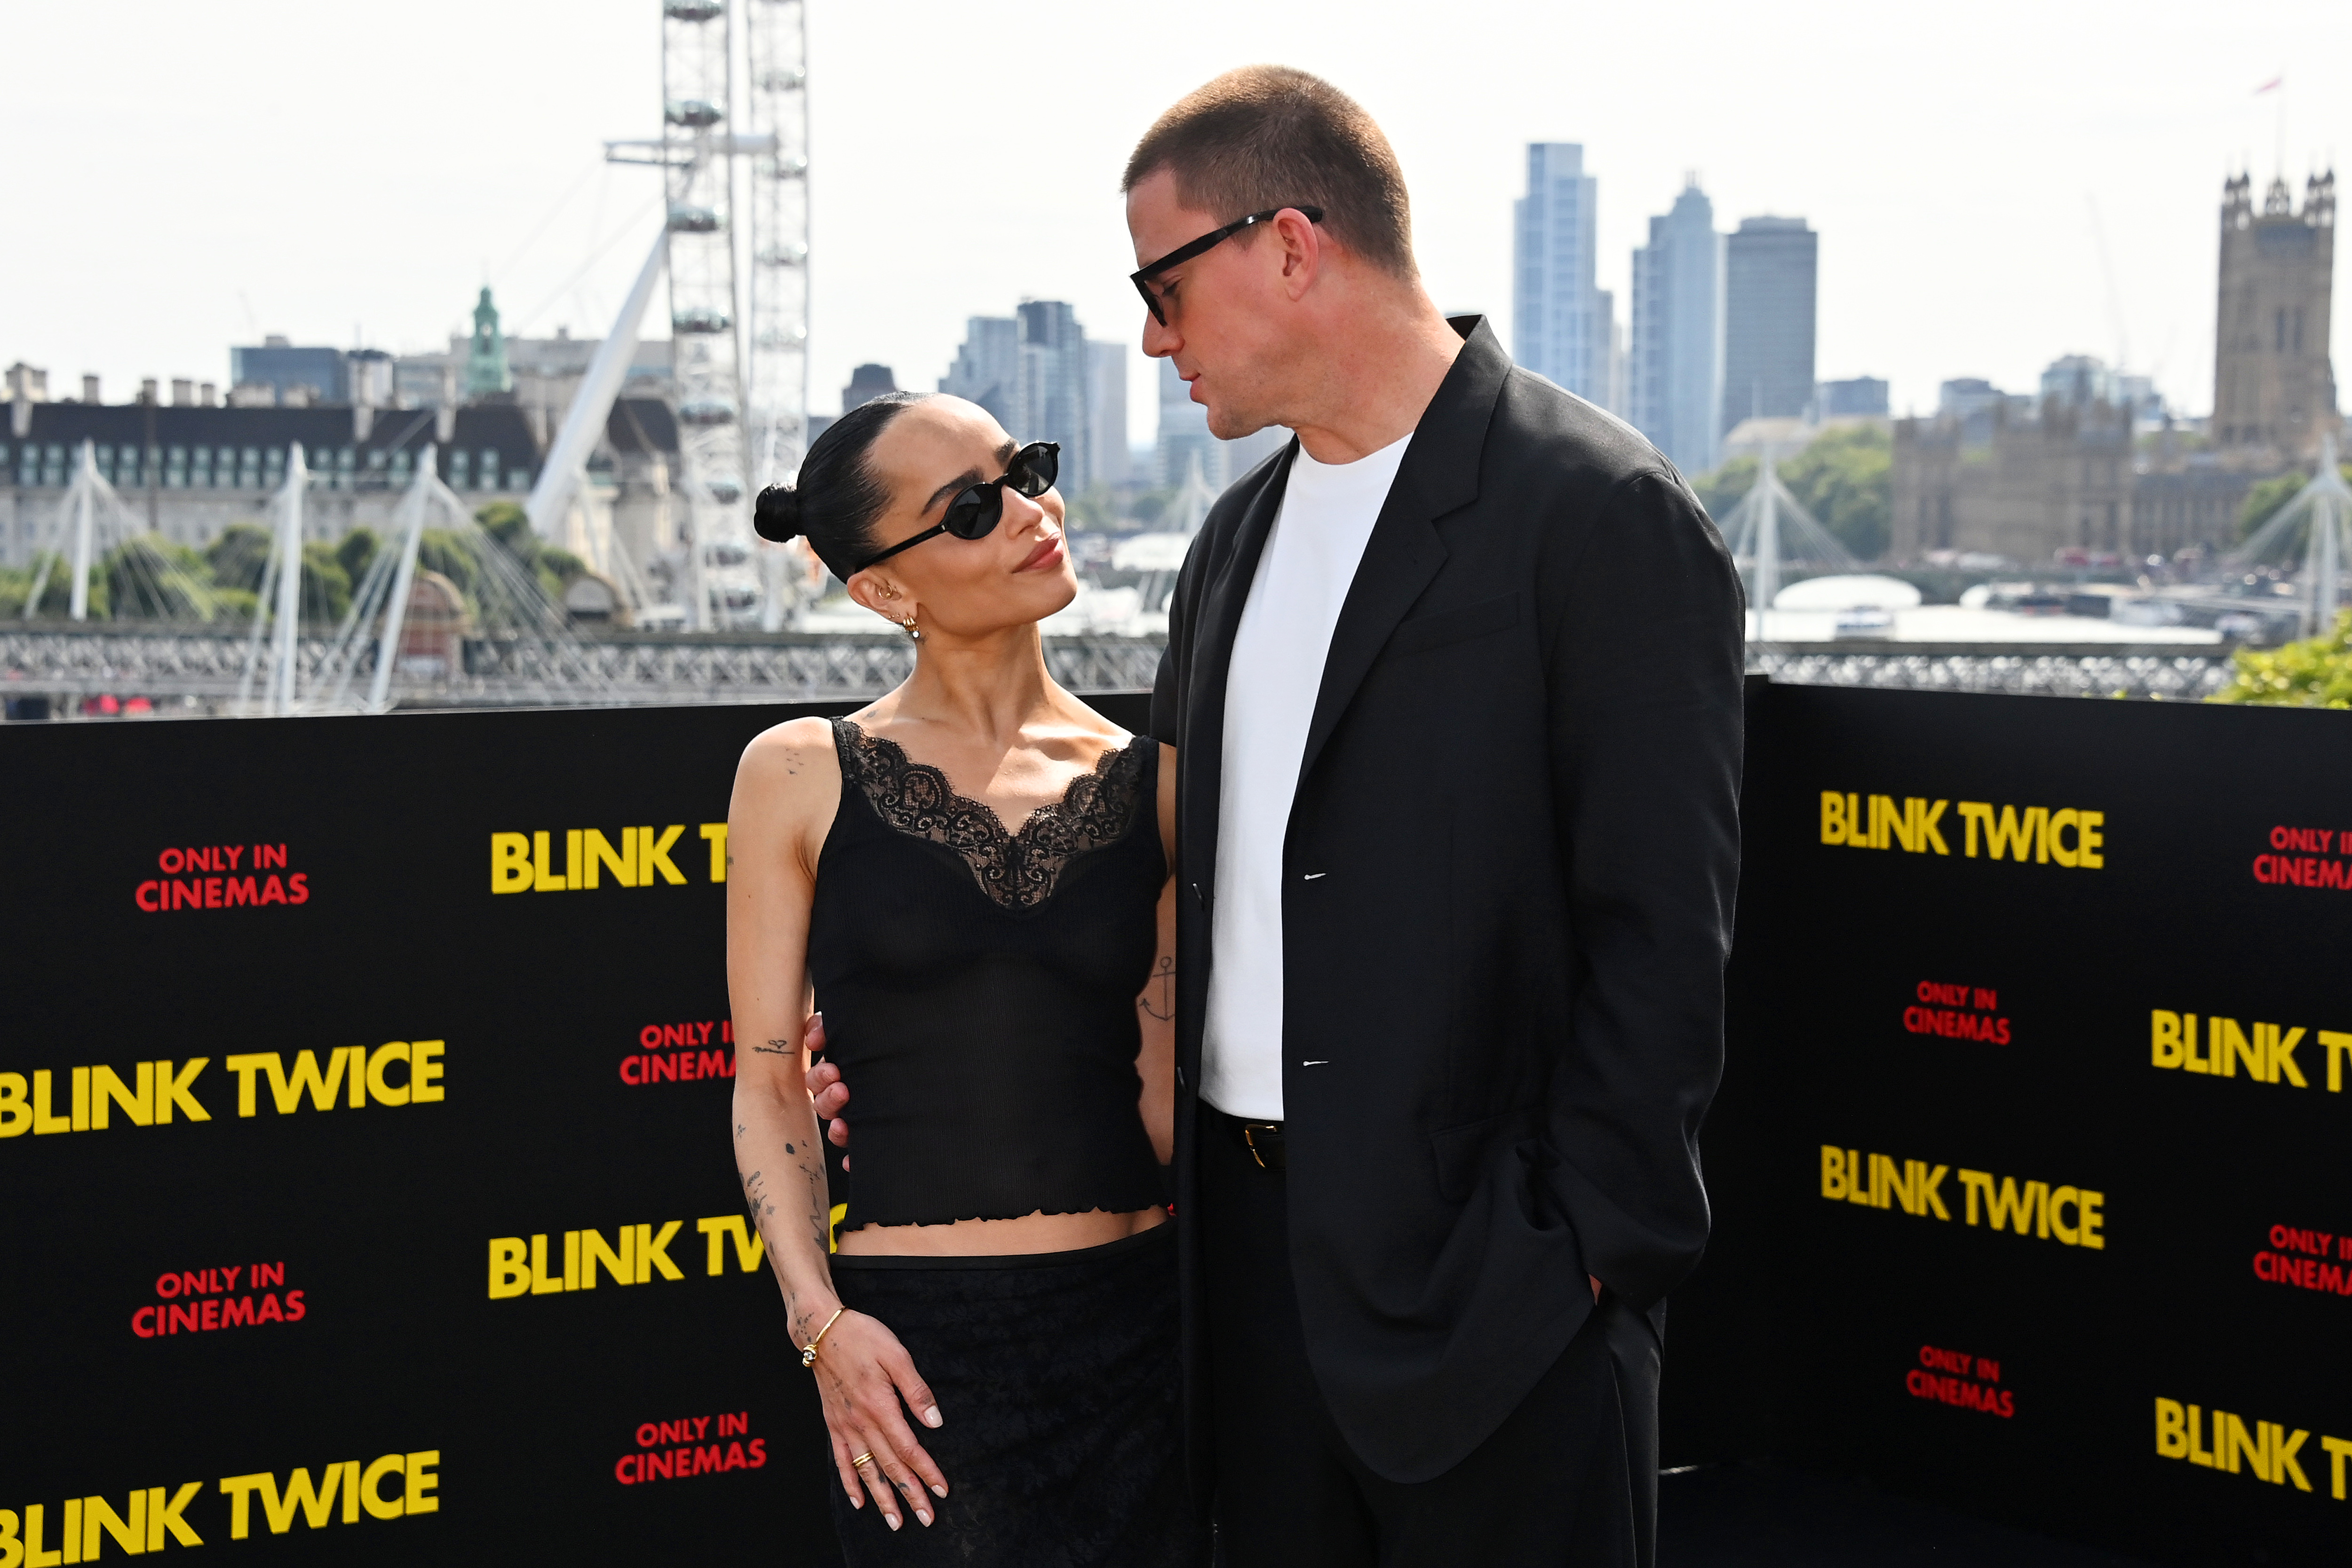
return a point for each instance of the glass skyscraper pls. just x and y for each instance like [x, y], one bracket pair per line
[1674, 360]
[1560, 325]
[1033, 371]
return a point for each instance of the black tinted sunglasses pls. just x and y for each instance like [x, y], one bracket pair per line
[978, 509]
[1142, 278]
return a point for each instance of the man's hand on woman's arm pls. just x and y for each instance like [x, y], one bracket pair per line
[829, 1093]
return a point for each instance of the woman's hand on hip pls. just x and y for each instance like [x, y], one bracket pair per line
[863, 1375]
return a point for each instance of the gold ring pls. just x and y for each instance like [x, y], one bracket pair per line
[862, 1460]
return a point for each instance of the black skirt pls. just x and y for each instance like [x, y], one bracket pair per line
[1056, 1374]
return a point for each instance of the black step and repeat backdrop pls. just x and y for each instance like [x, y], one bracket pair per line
[368, 1197]
[2031, 1166]
[363, 1098]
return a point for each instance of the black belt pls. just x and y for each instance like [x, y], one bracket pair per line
[1262, 1139]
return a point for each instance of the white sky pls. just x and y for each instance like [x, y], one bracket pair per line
[183, 177]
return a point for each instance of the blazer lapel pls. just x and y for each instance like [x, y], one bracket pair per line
[1203, 759]
[1440, 473]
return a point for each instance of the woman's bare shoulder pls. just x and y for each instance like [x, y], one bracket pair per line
[793, 761]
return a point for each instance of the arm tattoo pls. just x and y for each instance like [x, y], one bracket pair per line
[777, 1047]
[1159, 996]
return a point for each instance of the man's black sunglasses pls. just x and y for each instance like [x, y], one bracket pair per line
[1210, 241]
[978, 509]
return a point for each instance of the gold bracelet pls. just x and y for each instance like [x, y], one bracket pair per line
[808, 1352]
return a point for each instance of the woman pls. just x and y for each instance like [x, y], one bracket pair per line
[972, 876]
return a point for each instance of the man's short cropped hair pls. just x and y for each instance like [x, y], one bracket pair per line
[1269, 136]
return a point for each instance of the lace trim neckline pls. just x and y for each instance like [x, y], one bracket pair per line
[1017, 867]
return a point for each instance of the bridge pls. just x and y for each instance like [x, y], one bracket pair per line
[199, 670]
[204, 670]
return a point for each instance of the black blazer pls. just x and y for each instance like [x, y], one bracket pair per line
[1517, 809]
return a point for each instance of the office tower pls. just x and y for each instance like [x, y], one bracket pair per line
[1859, 395]
[1608, 379]
[1967, 395]
[2078, 381]
[1557, 330]
[1675, 358]
[1184, 435]
[1770, 269]
[1033, 371]
[321, 373]
[867, 382]
[987, 369]
[2273, 384]
[1056, 387]
[1184, 439]
[1107, 411]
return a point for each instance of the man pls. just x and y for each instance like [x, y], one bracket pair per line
[1454, 682]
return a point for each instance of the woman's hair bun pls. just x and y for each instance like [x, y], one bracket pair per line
[776, 515]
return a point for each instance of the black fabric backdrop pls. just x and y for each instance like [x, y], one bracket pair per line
[668, 1417]
[1839, 1336]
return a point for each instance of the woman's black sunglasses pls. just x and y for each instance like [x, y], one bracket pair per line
[978, 509]
[1142, 278]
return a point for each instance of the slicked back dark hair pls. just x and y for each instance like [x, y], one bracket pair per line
[1270, 136]
[838, 496]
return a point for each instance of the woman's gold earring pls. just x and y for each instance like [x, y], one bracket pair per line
[914, 633]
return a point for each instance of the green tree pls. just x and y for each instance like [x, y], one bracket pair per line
[2265, 500]
[553, 567]
[150, 578]
[326, 588]
[1845, 479]
[510, 525]
[2314, 673]
[1721, 490]
[239, 556]
[356, 553]
[1149, 505]
[15, 587]
[555, 561]
[450, 555]
[57, 595]
[1095, 507]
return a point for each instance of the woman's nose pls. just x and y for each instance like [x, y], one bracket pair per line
[1023, 512]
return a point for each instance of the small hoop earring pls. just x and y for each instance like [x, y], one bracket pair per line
[914, 633]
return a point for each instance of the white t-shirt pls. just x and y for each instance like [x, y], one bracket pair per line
[1303, 577]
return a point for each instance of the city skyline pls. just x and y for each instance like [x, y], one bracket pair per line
[170, 220]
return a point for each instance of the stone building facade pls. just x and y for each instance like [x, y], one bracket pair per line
[2063, 476]
[2274, 382]
[187, 473]
[2025, 480]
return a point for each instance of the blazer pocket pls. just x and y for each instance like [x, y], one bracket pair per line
[1426, 632]
[1464, 1152]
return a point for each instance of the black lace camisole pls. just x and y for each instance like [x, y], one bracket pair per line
[979, 988]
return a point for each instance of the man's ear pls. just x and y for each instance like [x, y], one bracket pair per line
[1302, 251]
